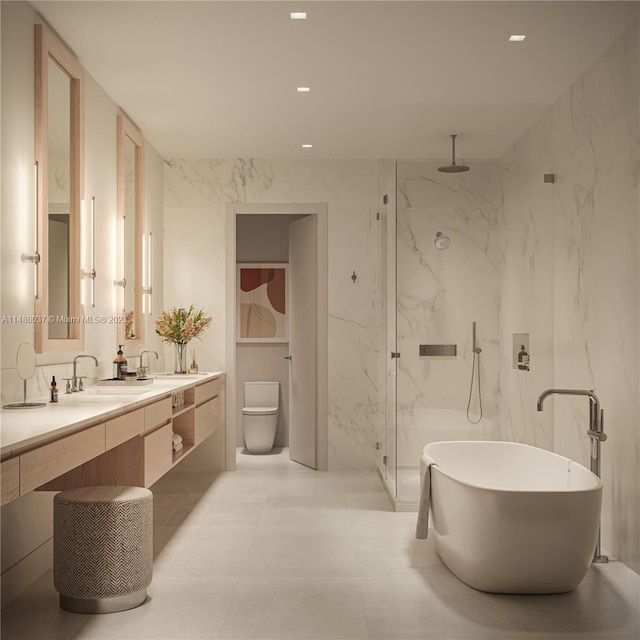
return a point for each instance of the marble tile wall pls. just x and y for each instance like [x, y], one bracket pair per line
[196, 192]
[571, 279]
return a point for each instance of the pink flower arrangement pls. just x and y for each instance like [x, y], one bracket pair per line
[180, 325]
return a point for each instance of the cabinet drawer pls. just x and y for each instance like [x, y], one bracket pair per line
[124, 428]
[157, 413]
[10, 480]
[158, 454]
[208, 390]
[207, 419]
[52, 460]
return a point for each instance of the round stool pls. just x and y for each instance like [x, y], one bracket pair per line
[102, 548]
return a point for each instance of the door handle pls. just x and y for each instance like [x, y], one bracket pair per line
[288, 358]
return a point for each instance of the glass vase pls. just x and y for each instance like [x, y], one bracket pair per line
[181, 357]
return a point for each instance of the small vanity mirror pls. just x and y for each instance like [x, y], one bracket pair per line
[26, 361]
[26, 367]
[130, 215]
[58, 146]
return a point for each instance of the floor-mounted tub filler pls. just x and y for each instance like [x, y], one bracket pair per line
[509, 517]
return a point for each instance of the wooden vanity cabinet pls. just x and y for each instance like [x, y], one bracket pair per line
[158, 454]
[133, 448]
[43, 464]
[9, 480]
[124, 428]
[206, 419]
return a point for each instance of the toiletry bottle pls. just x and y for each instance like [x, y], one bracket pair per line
[118, 363]
[523, 359]
[193, 367]
[54, 390]
[124, 366]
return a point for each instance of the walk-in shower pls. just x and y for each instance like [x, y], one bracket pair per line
[440, 274]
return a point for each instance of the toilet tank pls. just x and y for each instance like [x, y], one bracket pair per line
[261, 394]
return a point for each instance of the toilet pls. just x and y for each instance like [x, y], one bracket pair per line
[260, 415]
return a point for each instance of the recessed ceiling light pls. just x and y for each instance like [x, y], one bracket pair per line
[303, 89]
[307, 146]
[516, 38]
[298, 15]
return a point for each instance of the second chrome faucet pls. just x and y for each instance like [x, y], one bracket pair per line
[76, 381]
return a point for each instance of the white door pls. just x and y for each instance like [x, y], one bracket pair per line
[303, 332]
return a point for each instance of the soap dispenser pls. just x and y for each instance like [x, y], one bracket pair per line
[119, 365]
[523, 359]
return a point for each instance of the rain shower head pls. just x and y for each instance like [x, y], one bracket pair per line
[453, 167]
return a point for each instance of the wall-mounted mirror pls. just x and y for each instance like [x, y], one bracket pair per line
[130, 226]
[58, 153]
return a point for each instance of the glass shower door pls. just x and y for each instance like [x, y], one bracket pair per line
[387, 452]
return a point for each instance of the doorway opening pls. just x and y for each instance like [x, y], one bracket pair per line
[293, 237]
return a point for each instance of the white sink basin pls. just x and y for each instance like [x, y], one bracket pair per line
[119, 391]
[180, 376]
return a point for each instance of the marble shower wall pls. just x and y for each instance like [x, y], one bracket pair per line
[571, 279]
[196, 192]
[442, 292]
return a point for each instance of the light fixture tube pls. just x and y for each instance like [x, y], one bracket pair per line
[147, 261]
[90, 273]
[34, 258]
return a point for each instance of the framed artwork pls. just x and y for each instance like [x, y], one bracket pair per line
[262, 303]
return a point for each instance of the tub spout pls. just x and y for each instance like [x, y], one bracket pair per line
[596, 434]
[595, 422]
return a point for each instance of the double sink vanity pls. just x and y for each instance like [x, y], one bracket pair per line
[111, 435]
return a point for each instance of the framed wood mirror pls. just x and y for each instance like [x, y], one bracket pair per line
[130, 150]
[59, 91]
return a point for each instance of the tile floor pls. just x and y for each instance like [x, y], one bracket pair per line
[277, 551]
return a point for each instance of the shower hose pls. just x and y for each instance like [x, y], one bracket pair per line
[476, 359]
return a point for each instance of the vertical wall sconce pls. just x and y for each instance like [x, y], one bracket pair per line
[147, 262]
[34, 258]
[122, 282]
[90, 250]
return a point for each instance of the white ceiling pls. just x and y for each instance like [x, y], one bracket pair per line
[388, 79]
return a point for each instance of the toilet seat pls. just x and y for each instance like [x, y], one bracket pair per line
[259, 411]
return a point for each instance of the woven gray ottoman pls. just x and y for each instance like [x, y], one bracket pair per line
[102, 548]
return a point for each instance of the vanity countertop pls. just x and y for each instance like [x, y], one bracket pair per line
[26, 428]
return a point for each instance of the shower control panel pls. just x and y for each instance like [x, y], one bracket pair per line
[439, 350]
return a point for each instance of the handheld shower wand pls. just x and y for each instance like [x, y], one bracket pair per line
[476, 355]
[476, 349]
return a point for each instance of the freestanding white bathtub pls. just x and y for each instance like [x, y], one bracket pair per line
[511, 518]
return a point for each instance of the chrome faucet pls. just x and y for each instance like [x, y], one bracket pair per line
[596, 434]
[142, 362]
[76, 381]
[596, 416]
